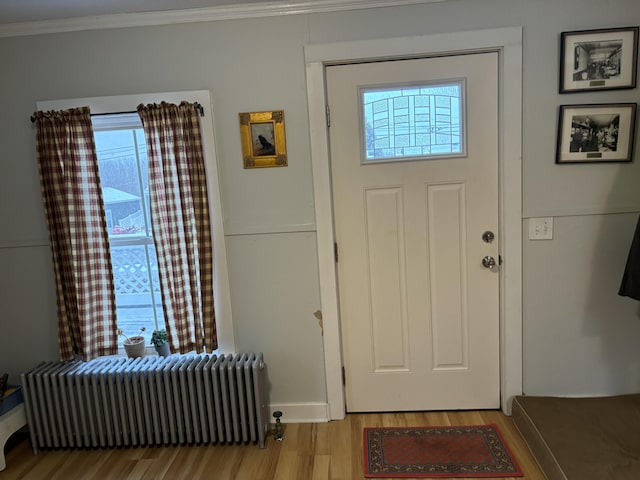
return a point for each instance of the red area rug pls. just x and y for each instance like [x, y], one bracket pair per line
[438, 452]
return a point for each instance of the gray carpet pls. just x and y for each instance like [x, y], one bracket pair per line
[582, 438]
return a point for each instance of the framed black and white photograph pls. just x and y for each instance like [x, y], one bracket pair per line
[603, 59]
[596, 133]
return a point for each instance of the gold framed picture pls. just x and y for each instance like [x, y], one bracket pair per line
[263, 139]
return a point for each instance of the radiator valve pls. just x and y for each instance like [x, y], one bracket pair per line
[278, 428]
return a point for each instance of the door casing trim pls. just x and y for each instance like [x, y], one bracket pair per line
[508, 42]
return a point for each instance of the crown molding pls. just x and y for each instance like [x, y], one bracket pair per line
[192, 15]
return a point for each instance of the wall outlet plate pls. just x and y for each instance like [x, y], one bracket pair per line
[541, 228]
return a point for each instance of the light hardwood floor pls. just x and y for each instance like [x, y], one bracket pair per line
[312, 451]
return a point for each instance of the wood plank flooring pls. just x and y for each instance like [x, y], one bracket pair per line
[310, 451]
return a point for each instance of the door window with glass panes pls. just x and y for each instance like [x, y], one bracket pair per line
[122, 161]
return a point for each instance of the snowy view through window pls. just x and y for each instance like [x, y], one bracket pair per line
[122, 161]
[410, 122]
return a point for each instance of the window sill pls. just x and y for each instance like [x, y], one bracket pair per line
[151, 351]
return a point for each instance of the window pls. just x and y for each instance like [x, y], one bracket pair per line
[125, 103]
[122, 161]
[410, 122]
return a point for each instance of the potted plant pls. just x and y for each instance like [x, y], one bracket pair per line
[160, 340]
[134, 346]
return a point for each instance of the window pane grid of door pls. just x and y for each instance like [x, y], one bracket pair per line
[412, 122]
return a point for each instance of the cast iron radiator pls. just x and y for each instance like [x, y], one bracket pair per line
[119, 402]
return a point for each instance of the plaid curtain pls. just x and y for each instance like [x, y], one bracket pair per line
[74, 211]
[180, 216]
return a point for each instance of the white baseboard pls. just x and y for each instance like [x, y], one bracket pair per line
[300, 412]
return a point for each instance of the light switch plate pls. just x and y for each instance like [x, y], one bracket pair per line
[541, 228]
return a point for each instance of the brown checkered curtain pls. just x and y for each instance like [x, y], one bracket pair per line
[73, 207]
[180, 216]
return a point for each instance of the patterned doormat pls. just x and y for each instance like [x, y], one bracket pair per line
[473, 451]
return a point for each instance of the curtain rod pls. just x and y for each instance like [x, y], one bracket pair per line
[196, 104]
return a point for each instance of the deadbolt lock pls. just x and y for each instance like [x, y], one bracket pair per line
[488, 236]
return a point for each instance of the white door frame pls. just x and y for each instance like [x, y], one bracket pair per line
[506, 41]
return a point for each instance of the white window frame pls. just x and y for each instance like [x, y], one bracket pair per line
[129, 103]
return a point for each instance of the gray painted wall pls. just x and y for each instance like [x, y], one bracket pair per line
[579, 336]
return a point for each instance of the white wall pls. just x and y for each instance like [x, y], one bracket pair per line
[579, 336]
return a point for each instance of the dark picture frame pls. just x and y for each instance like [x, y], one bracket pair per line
[604, 59]
[596, 133]
[263, 139]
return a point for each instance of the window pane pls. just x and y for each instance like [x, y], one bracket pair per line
[412, 122]
[122, 162]
[138, 300]
[124, 181]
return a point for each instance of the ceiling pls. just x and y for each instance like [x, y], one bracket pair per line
[21, 11]
[33, 17]
[18, 11]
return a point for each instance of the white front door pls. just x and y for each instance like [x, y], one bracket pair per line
[419, 311]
